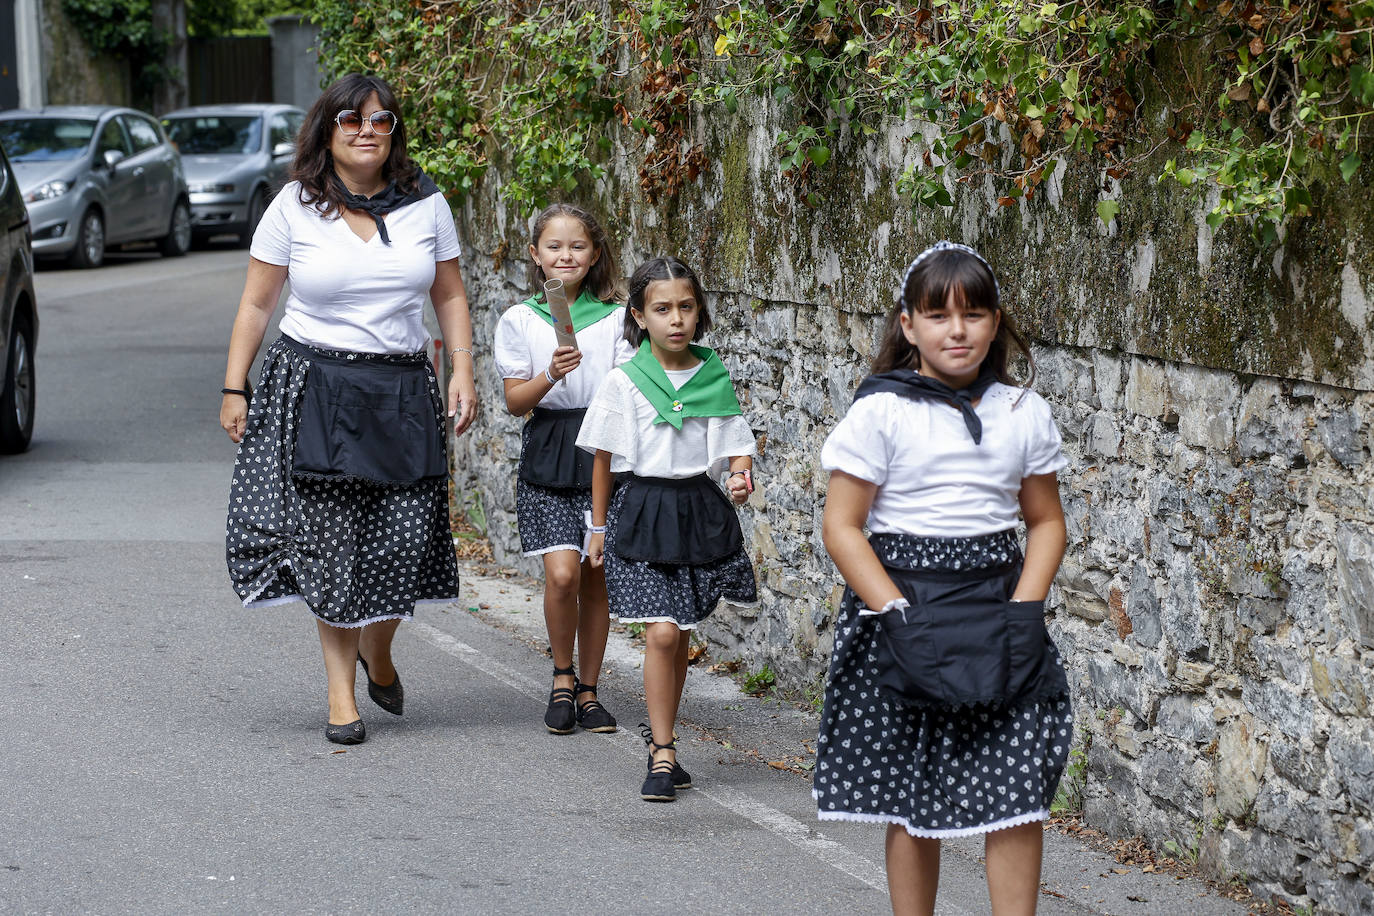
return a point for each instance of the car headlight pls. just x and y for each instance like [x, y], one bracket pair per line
[47, 191]
[210, 188]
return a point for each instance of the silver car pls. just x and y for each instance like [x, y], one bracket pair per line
[236, 158]
[96, 176]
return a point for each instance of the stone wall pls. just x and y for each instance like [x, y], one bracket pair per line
[71, 74]
[1216, 607]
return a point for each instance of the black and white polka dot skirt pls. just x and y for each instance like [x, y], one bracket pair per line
[548, 518]
[938, 773]
[686, 594]
[354, 552]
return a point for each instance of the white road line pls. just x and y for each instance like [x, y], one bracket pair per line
[832, 853]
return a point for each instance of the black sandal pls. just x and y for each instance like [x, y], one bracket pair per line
[561, 716]
[658, 785]
[681, 778]
[591, 715]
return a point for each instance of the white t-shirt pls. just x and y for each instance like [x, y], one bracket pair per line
[620, 420]
[933, 481]
[347, 294]
[525, 342]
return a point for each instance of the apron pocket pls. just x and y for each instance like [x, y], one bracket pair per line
[368, 421]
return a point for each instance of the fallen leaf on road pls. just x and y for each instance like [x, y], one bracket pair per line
[338, 752]
[1137, 899]
[1121, 871]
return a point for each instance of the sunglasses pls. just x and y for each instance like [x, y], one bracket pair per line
[351, 122]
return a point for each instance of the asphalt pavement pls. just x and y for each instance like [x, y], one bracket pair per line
[161, 749]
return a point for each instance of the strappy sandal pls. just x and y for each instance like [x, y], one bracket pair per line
[681, 778]
[591, 715]
[561, 716]
[658, 785]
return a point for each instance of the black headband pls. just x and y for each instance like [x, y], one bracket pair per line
[936, 249]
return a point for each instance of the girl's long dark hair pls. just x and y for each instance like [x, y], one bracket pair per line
[313, 166]
[928, 287]
[603, 277]
[664, 268]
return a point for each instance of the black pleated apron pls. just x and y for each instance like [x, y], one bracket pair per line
[676, 521]
[551, 457]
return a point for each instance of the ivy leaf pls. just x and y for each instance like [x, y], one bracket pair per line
[826, 8]
[1215, 219]
[820, 155]
[1107, 210]
[1349, 166]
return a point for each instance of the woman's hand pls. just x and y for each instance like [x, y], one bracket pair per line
[738, 487]
[565, 360]
[233, 415]
[596, 549]
[462, 401]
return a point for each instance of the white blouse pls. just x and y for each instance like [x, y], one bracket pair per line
[525, 342]
[620, 420]
[347, 294]
[933, 481]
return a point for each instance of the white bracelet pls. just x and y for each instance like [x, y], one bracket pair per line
[549, 375]
[597, 529]
[457, 350]
[896, 604]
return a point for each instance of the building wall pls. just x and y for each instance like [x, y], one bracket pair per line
[1216, 606]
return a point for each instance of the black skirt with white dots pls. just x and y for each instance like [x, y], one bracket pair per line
[937, 772]
[548, 518]
[685, 594]
[353, 551]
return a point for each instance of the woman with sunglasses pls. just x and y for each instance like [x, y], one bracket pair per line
[339, 497]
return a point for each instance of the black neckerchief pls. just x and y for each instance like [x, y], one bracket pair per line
[911, 384]
[385, 201]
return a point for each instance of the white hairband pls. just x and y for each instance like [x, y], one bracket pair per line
[947, 246]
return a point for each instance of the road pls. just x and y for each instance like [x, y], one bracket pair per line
[161, 748]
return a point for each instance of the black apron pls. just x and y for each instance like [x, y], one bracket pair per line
[367, 419]
[962, 642]
[680, 522]
[551, 457]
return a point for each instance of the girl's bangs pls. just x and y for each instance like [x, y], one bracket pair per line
[963, 276]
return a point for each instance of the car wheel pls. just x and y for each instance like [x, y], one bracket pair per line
[17, 398]
[256, 208]
[177, 241]
[90, 241]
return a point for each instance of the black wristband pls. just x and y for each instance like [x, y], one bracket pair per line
[246, 394]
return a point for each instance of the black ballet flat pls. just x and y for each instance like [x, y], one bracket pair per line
[392, 697]
[681, 778]
[352, 733]
[658, 784]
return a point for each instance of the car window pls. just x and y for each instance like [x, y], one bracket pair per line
[295, 119]
[45, 139]
[112, 138]
[142, 132]
[281, 131]
[215, 135]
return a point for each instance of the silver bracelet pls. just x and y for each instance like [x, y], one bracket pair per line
[549, 375]
[459, 350]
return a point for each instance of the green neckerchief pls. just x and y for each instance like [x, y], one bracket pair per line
[586, 311]
[709, 393]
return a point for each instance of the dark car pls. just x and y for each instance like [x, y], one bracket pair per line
[95, 176]
[18, 316]
[236, 157]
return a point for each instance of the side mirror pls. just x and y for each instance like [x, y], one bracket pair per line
[112, 157]
[283, 149]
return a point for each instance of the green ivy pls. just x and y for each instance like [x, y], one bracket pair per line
[123, 29]
[1263, 103]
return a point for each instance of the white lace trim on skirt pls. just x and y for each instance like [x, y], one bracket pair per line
[935, 834]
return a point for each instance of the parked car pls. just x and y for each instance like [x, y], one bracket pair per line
[236, 158]
[96, 176]
[18, 317]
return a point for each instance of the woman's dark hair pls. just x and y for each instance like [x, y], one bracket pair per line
[664, 268]
[603, 277]
[928, 286]
[314, 164]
